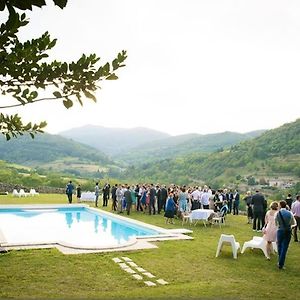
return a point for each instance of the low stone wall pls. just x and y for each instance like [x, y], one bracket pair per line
[8, 187]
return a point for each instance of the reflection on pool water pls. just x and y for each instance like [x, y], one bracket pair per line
[78, 226]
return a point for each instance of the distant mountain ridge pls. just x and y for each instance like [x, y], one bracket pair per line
[113, 140]
[143, 144]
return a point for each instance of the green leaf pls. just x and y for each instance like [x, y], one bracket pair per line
[68, 103]
[113, 76]
[61, 3]
[57, 94]
[90, 95]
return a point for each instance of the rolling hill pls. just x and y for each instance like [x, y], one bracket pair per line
[140, 144]
[113, 141]
[181, 145]
[55, 153]
[276, 152]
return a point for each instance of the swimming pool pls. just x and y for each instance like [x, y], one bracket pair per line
[73, 226]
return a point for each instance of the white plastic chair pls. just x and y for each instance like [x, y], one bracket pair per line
[228, 240]
[33, 192]
[22, 193]
[258, 243]
[15, 193]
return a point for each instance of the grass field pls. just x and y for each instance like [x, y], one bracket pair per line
[189, 266]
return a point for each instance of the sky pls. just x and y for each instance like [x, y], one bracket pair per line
[193, 66]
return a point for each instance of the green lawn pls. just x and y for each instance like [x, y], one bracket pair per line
[189, 266]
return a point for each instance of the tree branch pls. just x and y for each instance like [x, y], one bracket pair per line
[38, 100]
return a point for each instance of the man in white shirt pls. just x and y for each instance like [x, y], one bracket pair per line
[196, 194]
[205, 199]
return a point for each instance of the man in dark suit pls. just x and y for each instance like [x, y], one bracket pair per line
[128, 199]
[236, 202]
[164, 196]
[258, 202]
[114, 197]
[152, 199]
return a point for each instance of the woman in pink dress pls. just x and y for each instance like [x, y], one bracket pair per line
[270, 228]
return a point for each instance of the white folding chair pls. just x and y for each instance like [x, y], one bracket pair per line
[228, 240]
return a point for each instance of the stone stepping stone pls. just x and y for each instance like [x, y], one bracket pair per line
[126, 258]
[150, 283]
[161, 281]
[148, 274]
[123, 265]
[129, 270]
[137, 276]
[131, 263]
[141, 270]
[117, 260]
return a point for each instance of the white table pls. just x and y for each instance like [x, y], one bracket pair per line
[87, 196]
[200, 214]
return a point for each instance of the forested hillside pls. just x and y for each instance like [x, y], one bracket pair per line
[181, 145]
[275, 152]
[48, 152]
[46, 148]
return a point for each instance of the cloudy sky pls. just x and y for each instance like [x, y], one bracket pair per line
[200, 66]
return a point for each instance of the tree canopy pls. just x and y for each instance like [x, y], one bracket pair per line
[25, 70]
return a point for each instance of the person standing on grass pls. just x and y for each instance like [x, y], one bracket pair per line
[152, 195]
[128, 199]
[119, 195]
[270, 229]
[284, 220]
[69, 191]
[296, 213]
[78, 193]
[182, 202]
[289, 201]
[258, 202]
[164, 196]
[114, 197]
[170, 209]
[133, 198]
[236, 202]
[248, 201]
[97, 193]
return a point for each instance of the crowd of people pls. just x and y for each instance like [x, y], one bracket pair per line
[279, 223]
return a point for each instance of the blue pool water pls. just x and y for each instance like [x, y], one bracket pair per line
[74, 226]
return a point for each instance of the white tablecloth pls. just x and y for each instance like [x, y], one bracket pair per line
[87, 196]
[201, 214]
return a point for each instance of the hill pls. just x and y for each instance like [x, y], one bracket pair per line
[113, 141]
[274, 153]
[54, 153]
[181, 145]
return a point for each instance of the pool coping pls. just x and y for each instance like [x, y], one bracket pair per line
[135, 243]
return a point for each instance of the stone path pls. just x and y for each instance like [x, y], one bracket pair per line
[137, 272]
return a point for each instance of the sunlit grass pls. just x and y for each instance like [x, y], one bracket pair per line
[189, 266]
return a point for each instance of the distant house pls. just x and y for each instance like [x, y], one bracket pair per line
[280, 183]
